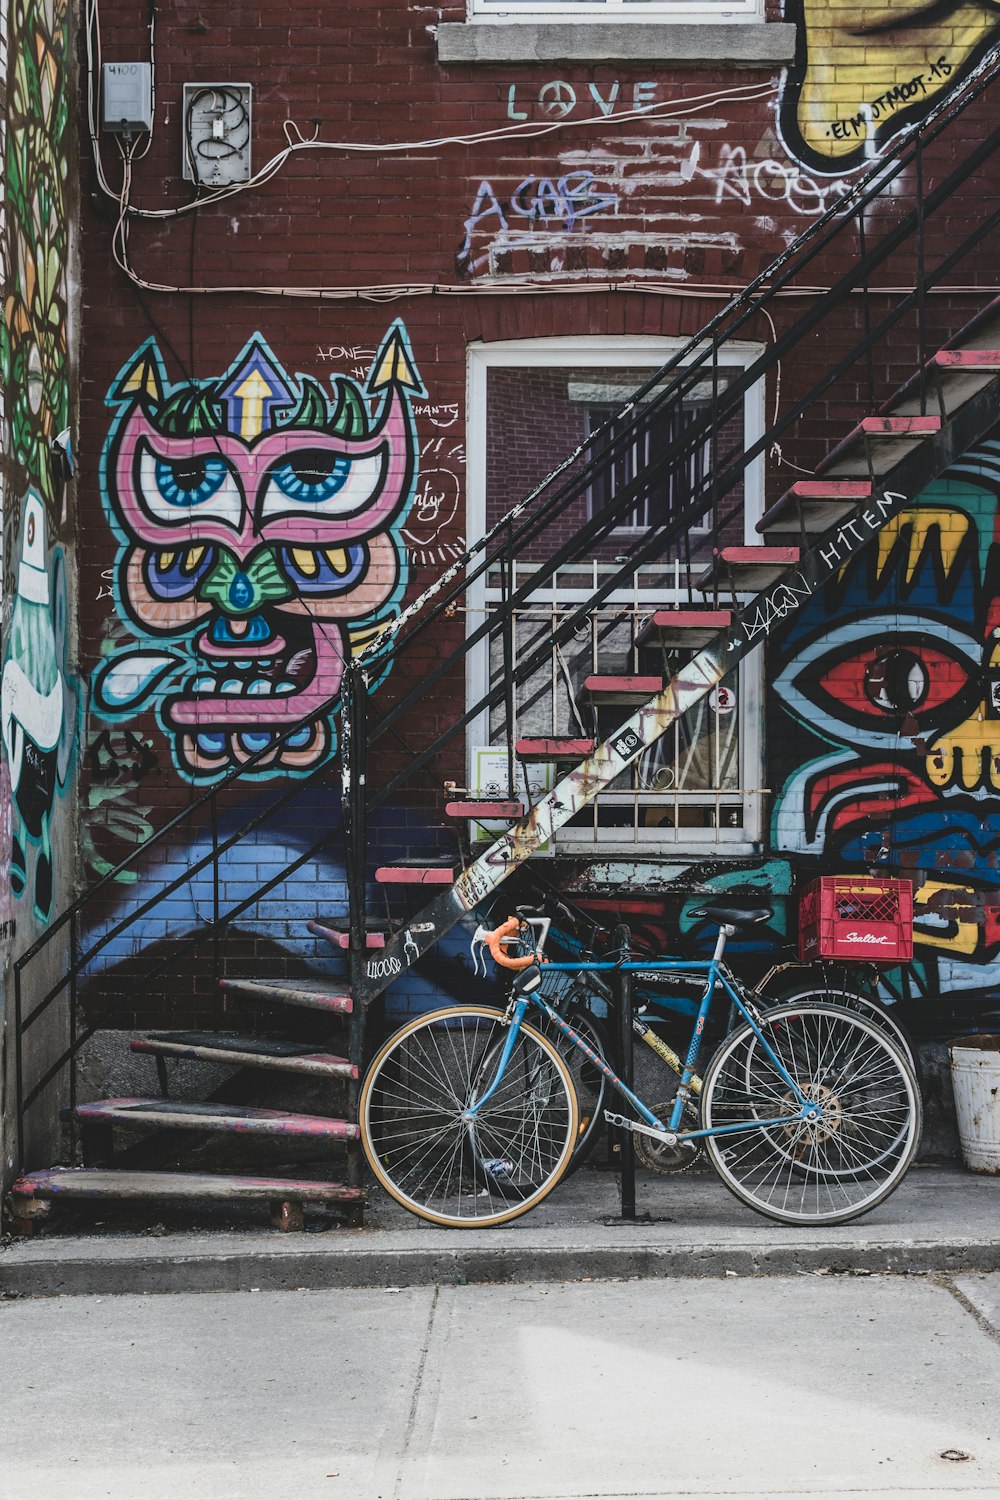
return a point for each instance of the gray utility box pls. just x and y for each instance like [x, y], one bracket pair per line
[127, 97]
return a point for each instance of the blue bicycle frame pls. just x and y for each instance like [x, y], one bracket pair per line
[715, 974]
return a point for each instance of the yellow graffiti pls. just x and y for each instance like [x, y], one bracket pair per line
[960, 928]
[931, 527]
[867, 68]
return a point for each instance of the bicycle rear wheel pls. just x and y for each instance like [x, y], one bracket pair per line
[430, 1155]
[861, 1143]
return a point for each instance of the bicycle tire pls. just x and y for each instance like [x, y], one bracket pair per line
[429, 1156]
[823, 992]
[858, 1150]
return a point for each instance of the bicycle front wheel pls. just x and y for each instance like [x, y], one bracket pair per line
[437, 1154]
[851, 1155]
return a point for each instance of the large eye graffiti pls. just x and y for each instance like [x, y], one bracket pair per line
[870, 683]
[316, 482]
[174, 489]
[895, 680]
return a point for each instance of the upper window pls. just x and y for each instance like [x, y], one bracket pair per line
[616, 10]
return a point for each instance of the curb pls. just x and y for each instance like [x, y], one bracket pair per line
[153, 1271]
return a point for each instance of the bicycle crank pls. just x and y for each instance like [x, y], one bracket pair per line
[657, 1156]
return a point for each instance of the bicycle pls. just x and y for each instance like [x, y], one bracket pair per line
[809, 1112]
[580, 934]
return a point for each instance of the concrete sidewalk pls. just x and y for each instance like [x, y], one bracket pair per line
[941, 1220]
[830, 1388]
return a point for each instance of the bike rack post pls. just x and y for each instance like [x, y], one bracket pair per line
[623, 943]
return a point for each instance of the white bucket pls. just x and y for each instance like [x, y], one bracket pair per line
[975, 1074]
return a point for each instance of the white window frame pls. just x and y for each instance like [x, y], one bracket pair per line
[626, 352]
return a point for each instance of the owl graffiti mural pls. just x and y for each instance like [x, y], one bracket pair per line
[893, 675]
[258, 519]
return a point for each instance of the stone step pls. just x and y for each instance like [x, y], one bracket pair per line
[234, 1119]
[313, 994]
[245, 1051]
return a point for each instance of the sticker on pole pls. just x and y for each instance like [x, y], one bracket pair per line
[626, 744]
[722, 699]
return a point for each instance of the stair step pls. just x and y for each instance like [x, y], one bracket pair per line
[335, 930]
[237, 1119]
[750, 568]
[623, 689]
[557, 750]
[314, 994]
[248, 1051]
[484, 809]
[415, 875]
[684, 627]
[103, 1182]
[819, 502]
[967, 359]
[897, 426]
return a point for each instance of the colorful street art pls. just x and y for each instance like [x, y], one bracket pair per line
[258, 521]
[862, 74]
[892, 676]
[36, 175]
[37, 699]
[36, 714]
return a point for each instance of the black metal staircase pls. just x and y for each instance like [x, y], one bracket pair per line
[725, 591]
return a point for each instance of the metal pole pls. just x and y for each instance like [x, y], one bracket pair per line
[623, 942]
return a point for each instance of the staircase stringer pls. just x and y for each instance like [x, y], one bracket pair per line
[754, 623]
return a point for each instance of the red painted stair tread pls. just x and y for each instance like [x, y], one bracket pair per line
[827, 489]
[553, 749]
[313, 994]
[260, 1052]
[967, 359]
[484, 809]
[899, 426]
[197, 1115]
[342, 939]
[103, 1182]
[748, 556]
[415, 875]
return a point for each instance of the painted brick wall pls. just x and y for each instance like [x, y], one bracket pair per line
[684, 204]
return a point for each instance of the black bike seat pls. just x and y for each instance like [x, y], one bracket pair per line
[735, 916]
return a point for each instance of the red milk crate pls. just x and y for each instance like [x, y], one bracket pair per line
[857, 917]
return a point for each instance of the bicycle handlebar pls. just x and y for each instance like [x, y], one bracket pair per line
[510, 932]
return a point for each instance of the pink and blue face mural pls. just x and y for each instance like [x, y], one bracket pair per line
[258, 523]
[892, 678]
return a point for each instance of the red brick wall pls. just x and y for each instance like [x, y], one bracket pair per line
[680, 209]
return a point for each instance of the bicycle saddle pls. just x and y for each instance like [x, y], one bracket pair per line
[735, 916]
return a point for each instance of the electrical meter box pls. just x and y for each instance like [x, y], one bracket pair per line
[217, 125]
[127, 97]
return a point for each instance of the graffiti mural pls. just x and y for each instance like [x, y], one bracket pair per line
[861, 74]
[36, 718]
[892, 675]
[36, 174]
[258, 520]
[37, 699]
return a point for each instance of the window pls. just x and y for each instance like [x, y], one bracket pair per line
[652, 441]
[531, 404]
